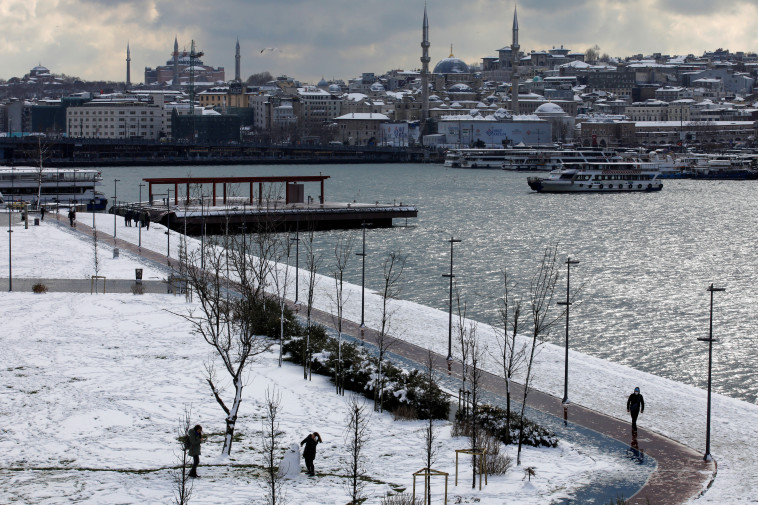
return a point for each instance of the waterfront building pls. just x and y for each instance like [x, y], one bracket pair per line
[360, 128]
[315, 108]
[494, 130]
[118, 118]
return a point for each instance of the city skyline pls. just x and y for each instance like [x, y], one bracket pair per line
[341, 40]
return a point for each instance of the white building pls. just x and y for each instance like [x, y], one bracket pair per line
[119, 118]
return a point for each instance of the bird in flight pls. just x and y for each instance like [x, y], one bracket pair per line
[269, 49]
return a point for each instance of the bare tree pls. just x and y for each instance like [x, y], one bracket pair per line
[43, 152]
[431, 443]
[510, 354]
[475, 378]
[312, 264]
[342, 252]
[463, 346]
[271, 444]
[226, 324]
[356, 436]
[541, 293]
[392, 271]
[281, 280]
[182, 480]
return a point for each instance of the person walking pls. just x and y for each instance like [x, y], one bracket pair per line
[309, 453]
[636, 406]
[194, 438]
[42, 213]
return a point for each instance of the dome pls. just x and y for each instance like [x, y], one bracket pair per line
[451, 66]
[434, 98]
[377, 86]
[549, 108]
[537, 78]
[460, 88]
[322, 83]
[334, 88]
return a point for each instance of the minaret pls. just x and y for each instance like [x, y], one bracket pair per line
[514, 73]
[237, 62]
[175, 79]
[424, 72]
[128, 66]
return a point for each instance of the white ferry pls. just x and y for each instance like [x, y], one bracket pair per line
[46, 186]
[612, 177]
[531, 160]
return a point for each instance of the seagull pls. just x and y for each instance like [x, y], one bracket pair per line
[269, 49]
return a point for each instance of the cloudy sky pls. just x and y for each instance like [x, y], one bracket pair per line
[342, 38]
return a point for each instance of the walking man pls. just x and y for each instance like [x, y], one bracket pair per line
[195, 437]
[42, 213]
[309, 453]
[636, 406]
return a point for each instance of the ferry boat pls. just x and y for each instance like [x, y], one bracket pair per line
[48, 186]
[730, 167]
[599, 177]
[530, 160]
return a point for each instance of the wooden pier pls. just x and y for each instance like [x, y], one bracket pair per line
[279, 204]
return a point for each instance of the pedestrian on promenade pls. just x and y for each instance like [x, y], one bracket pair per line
[146, 217]
[42, 213]
[309, 453]
[71, 217]
[636, 406]
[194, 439]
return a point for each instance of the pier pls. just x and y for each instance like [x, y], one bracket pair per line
[273, 203]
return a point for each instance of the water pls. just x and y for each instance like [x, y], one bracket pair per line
[645, 259]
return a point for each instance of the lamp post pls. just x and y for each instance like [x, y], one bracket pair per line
[567, 303]
[450, 308]
[710, 340]
[168, 224]
[362, 254]
[115, 201]
[10, 256]
[139, 227]
[297, 261]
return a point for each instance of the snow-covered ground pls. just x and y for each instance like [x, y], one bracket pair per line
[77, 397]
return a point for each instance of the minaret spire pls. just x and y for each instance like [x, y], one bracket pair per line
[424, 72]
[175, 79]
[128, 66]
[514, 73]
[237, 62]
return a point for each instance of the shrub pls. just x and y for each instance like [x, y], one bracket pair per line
[492, 420]
[400, 499]
[138, 289]
[404, 412]
[39, 288]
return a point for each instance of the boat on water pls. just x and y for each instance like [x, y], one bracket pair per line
[50, 186]
[599, 177]
[730, 168]
[528, 160]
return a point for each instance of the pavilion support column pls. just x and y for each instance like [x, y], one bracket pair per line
[251, 194]
[224, 186]
[322, 192]
[260, 194]
[150, 192]
[176, 194]
[214, 194]
[188, 193]
[286, 192]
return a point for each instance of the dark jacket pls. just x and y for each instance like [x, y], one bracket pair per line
[194, 442]
[310, 447]
[635, 403]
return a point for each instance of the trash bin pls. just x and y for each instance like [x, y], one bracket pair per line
[138, 275]
[115, 253]
[36, 221]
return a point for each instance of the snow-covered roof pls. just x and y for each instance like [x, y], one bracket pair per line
[364, 116]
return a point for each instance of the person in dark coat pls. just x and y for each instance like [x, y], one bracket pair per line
[636, 406]
[146, 218]
[309, 453]
[195, 438]
[42, 213]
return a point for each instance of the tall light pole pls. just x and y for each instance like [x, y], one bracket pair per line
[362, 254]
[115, 201]
[450, 308]
[10, 256]
[139, 227]
[297, 260]
[567, 303]
[168, 224]
[710, 340]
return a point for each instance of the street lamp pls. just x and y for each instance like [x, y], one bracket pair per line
[10, 256]
[139, 227]
[710, 340]
[362, 254]
[450, 308]
[297, 261]
[168, 224]
[115, 201]
[567, 303]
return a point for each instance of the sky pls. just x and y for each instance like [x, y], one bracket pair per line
[341, 39]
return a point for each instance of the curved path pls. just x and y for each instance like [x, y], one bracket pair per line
[681, 473]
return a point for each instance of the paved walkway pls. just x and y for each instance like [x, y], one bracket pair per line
[681, 473]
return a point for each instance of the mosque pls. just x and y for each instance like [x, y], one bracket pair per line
[176, 72]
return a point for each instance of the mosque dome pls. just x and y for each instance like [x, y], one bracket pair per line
[549, 108]
[334, 88]
[377, 87]
[322, 83]
[451, 65]
[460, 88]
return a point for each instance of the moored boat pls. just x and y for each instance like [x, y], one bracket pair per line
[49, 186]
[599, 177]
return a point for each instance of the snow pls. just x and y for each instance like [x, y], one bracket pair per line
[94, 388]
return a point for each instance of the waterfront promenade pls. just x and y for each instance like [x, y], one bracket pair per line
[681, 474]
